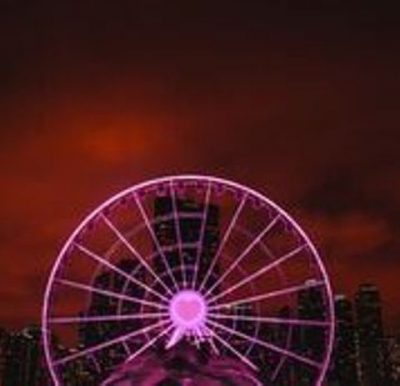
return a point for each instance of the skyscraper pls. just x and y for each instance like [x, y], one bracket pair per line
[24, 362]
[344, 361]
[372, 356]
[310, 340]
[4, 339]
[273, 362]
[93, 333]
[187, 231]
[393, 344]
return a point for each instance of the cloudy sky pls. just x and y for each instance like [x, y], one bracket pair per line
[301, 103]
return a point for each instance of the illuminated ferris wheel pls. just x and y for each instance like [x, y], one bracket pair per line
[192, 259]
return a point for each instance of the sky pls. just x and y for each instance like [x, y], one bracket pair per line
[299, 102]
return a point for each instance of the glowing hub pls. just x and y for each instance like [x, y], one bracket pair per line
[188, 310]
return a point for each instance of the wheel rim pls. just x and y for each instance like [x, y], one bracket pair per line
[235, 303]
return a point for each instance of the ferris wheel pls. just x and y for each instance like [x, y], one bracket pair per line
[194, 259]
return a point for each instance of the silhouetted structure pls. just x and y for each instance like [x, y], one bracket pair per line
[93, 333]
[23, 359]
[358, 342]
[344, 364]
[393, 345]
[310, 341]
[372, 355]
[4, 339]
[184, 223]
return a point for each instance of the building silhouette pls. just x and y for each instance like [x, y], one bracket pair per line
[186, 229]
[92, 333]
[22, 359]
[393, 347]
[280, 335]
[370, 337]
[344, 366]
[4, 338]
[310, 341]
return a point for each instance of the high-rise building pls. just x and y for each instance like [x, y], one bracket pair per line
[371, 345]
[393, 351]
[4, 339]
[24, 362]
[78, 372]
[93, 333]
[275, 364]
[310, 341]
[344, 360]
[190, 216]
[244, 327]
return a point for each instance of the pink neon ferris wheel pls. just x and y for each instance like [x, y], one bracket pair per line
[192, 259]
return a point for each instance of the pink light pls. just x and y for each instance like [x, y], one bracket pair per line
[188, 310]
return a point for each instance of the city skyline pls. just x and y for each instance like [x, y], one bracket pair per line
[360, 337]
[344, 370]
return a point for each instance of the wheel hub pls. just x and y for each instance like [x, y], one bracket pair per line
[188, 310]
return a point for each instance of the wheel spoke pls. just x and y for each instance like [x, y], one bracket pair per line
[108, 343]
[260, 272]
[175, 337]
[134, 252]
[108, 293]
[224, 240]
[113, 267]
[200, 248]
[155, 240]
[178, 232]
[267, 345]
[196, 339]
[269, 295]
[295, 322]
[213, 345]
[278, 369]
[244, 253]
[225, 343]
[105, 318]
[149, 343]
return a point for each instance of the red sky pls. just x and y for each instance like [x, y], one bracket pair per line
[299, 103]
